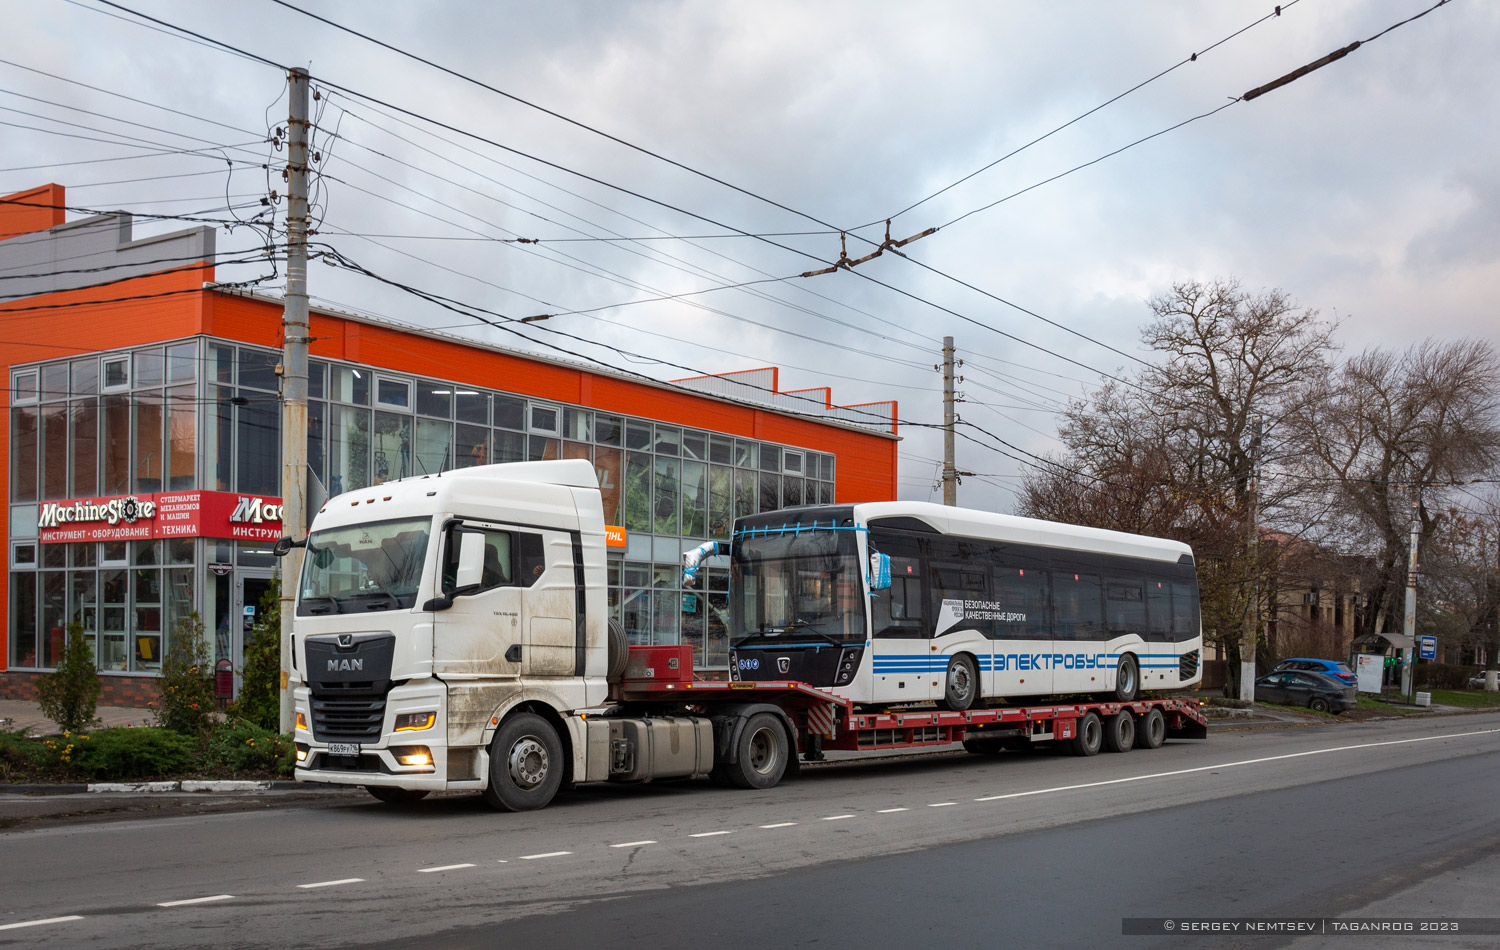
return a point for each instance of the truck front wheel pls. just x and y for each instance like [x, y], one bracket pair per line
[526, 764]
[761, 753]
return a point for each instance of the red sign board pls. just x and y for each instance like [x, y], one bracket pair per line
[189, 514]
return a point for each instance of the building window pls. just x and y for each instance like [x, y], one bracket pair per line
[116, 373]
[393, 392]
[24, 432]
[23, 387]
[258, 438]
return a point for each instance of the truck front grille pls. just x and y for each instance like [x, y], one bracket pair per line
[347, 720]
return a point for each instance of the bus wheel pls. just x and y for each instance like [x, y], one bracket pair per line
[762, 753]
[1151, 732]
[396, 796]
[526, 764]
[1090, 735]
[1127, 680]
[1119, 732]
[962, 683]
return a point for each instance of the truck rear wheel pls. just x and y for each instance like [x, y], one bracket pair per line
[1090, 735]
[526, 764]
[1119, 732]
[1151, 731]
[761, 753]
[396, 796]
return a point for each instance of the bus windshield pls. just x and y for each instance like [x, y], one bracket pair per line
[374, 566]
[797, 587]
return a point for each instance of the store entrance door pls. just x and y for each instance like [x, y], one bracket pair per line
[250, 591]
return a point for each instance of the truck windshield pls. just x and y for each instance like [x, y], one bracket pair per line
[797, 587]
[374, 566]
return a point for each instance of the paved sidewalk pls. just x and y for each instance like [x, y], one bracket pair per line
[21, 713]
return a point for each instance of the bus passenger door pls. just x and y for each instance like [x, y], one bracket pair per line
[1024, 656]
[901, 639]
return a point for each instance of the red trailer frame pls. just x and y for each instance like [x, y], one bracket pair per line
[658, 676]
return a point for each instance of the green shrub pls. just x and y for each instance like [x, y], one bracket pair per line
[187, 699]
[1443, 675]
[22, 759]
[127, 753]
[69, 695]
[260, 680]
[240, 746]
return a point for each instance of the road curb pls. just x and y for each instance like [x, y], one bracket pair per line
[190, 786]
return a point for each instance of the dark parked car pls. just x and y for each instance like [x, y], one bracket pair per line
[1316, 691]
[1332, 668]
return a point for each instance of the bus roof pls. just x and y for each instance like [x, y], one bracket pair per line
[969, 522]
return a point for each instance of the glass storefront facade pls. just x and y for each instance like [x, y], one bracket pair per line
[203, 414]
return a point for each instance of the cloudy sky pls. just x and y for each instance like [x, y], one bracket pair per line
[1368, 190]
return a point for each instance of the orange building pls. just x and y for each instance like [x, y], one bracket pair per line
[143, 438]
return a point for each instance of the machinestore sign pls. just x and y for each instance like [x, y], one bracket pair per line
[193, 514]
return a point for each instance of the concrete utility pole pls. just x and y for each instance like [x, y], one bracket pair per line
[1252, 542]
[950, 470]
[294, 329]
[1408, 668]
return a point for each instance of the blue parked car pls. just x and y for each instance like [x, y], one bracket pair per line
[1332, 668]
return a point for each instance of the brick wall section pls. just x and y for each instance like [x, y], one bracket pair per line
[129, 691]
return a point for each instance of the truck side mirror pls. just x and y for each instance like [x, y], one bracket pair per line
[880, 571]
[470, 572]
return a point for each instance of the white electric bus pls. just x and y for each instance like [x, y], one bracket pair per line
[979, 606]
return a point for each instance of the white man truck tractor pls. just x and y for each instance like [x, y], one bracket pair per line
[452, 633]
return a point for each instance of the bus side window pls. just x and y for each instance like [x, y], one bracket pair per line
[1184, 611]
[1124, 605]
[1079, 611]
[1021, 604]
[898, 610]
[961, 582]
[1158, 609]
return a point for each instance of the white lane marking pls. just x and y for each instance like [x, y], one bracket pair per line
[780, 824]
[197, 900]
[549, 854]
[837, 817]
[631, 844]
[346, 880]
[940, 804]
[1230, 765]
[887, 811]
[445, 867]
[39, 923]
[710, 834]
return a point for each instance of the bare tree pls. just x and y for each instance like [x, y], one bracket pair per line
[1388, 428]
[1169, 451]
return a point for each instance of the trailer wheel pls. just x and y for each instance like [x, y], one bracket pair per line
[396, 796]
[762, 753]
[1151, 732]
[526, 764]
[961, 686]
[1127, 680]
[1090, 735]
[1119, 732]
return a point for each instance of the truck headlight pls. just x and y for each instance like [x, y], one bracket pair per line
[413, 755]
[415, 722]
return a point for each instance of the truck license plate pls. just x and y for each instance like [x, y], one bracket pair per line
[343, 748]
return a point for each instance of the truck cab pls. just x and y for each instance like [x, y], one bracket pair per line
[433, 609]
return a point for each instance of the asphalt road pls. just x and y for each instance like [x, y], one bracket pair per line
[1018, 850]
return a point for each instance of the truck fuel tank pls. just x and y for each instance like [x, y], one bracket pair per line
[641, 750]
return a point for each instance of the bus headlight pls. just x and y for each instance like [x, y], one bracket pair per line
[848, 664]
